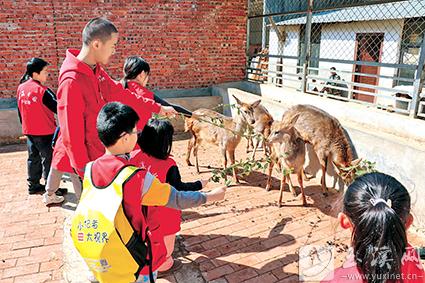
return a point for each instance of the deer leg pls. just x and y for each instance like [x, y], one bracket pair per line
[282, 186]
[190, 145]
[269, 177]
[291, 186]
[257, 142]
[248, 143]
[300, 181]
[195, 153]
[232, 162]
[304, 175]
[266, 149]
[324, 165]
[279, 166]
[223, 153]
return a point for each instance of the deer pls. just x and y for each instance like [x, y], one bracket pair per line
[327, 137]
[227, 136]
[288, 152]
[261, 128]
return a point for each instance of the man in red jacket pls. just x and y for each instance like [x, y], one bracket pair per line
[84, 88]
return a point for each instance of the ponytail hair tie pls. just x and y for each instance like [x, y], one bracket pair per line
[374, 202]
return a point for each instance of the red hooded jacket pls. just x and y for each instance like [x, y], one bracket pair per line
[140, 90]
[81, 94]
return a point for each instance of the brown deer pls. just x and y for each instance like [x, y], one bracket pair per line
[288, 151]
[261, 127]
[326, 135]
[204, 128]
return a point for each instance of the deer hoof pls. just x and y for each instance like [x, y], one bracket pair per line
[280, 205]
[268, 188]
[189, 163]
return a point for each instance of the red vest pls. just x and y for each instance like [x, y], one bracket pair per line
[161, 220]
[37, 119]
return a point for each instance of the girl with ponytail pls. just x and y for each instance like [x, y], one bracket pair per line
[136, 76]
[376, 208]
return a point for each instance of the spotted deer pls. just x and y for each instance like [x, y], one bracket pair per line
[327, 137]
[227, 135]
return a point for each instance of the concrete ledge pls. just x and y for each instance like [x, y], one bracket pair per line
[10, 127]
[355, 114]
[193, 103]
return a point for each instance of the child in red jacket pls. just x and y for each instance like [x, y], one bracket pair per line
[155, 142]
[84, 87]
[36, 109]
[377, 211]
[136, 76]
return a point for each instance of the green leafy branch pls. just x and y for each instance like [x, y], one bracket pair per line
[363, 167]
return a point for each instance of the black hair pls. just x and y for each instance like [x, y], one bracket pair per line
[34, 65]
[333, 68]
[114, 119]
[379, 231]
[134, 66]
[98, 28]
[156, 139]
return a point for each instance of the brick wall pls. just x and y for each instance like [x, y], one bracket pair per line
[187, 43]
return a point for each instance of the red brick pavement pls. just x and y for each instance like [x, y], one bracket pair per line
[245, 238]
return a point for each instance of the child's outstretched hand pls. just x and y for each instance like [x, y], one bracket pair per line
[216, 195]
[204, 182]
[168, 111]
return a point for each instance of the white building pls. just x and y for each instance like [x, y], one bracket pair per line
[389, 33]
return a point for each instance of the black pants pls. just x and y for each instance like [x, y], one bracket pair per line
[40, 153]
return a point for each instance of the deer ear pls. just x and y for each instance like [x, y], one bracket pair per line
[237, 100]
[255, 103]
[356, 162]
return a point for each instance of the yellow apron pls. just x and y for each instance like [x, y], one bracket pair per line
[103, 235]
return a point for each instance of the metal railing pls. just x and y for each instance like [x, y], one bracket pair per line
[363, 51]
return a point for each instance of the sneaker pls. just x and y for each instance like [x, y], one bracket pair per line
[91, 278]
[177, 265]
[36, 189]
[52, 199]
[61, 191]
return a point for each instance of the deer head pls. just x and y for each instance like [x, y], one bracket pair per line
[348, 173]
[279, 133]
[246, 110]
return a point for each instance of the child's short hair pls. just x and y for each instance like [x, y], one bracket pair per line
[134, 66]
[378, 206]
[114, 119]
[98, 28]
[156, 138]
